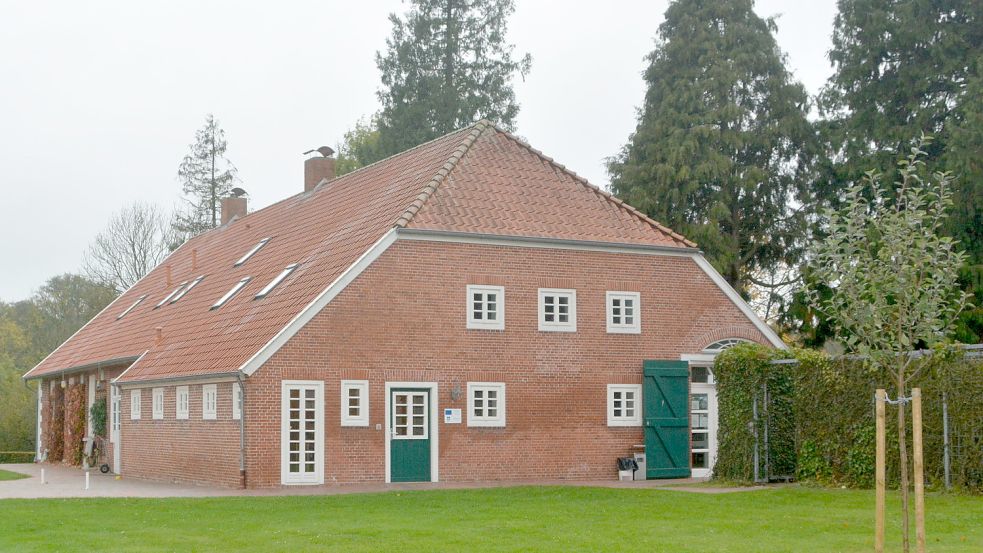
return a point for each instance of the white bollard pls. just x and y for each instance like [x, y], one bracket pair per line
[42, 476]
[86, 480]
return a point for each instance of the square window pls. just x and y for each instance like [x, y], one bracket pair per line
[486, 404]
[486, 307]
[209, 398]
[158, 403]
[699, 375]
[135, 400]
[699, 460]
[623, 309]
[624, 404]
[354, 402]
[181, 402]
[557, 310]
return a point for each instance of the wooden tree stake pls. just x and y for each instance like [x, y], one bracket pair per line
[916, 438]
[879, 473]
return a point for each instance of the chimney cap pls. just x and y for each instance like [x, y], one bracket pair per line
[325, 151]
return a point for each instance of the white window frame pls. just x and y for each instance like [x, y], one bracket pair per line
[181, 411]
[485, 421]
[231, 293]
[252, 252]
[622, 328]
[362, 419]
[554, 326]
[499, 322]
[157, 403]
[635, 420]
[276, 281]
[135, 400]
[168, 297]
[236, 401]
[187, 288]
[317, 477]
[132, 307]
[209, 401]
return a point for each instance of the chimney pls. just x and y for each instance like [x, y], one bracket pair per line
[167, 276]
[317, 168]
[158, 335]
[194, 259]
[233, 207]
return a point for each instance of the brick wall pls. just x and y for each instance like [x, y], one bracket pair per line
[190, 451]
[404, 319]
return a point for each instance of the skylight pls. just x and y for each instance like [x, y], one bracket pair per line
[187, 289]
[251, 252]
[228, 295]
[276, 281]
[171, 295]
[130, 308]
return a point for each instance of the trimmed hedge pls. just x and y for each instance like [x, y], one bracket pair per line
[821, 423]
[16, 457]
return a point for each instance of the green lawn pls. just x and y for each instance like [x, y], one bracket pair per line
[7, 475]
[506, 519]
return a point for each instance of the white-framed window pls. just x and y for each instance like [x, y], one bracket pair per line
[354, 402]
[486, 307]
[158, 403]
[301, 432]
[251, 252]
[181, 402]
[228, 295]
[557, 310]
[130, 308]
[135, 405]
[209, 400]
[486, 404]
[624, 404]
[187, 288]
[236, 401]
[624, 312]
[168, 297]
[276, 281]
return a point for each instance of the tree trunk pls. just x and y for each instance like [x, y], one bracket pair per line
[903, 450]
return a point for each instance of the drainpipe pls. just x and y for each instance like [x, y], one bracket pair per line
[37, 422]
[242, 428]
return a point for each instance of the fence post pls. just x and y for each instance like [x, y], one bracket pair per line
[916, 431]
[879, 473]
[946, 460]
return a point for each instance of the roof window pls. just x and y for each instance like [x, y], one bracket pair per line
[171, 295]
[187, 288]
[251, 252]
[130, 308]
[276, 281]
[228, 295]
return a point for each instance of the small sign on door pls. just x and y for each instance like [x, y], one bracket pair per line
[452, 416]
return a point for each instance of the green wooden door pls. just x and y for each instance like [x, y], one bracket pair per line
[665, 391]
[409, 431]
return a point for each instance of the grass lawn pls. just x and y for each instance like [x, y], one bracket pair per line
[505, 519]
[7, 475]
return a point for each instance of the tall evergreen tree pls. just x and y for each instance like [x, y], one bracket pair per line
[206, 177]
[719, 150]
[902, 69]
[447, 64]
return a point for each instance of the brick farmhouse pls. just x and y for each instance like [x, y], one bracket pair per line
[466, 310]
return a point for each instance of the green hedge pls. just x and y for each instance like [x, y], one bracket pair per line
[16, 456]
[821, 423]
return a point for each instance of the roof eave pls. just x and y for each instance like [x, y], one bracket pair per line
[85, 367]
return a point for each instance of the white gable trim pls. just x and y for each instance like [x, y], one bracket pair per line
[322, 300]
[738, 301]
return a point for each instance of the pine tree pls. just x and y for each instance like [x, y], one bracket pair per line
[447, 64]
[902, 69]
[719, 150]
[206, 177]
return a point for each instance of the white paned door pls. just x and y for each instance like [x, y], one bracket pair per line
[302, 450]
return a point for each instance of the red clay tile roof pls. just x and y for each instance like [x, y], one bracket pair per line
[476, 180]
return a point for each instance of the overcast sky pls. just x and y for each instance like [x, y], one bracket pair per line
[99, 100]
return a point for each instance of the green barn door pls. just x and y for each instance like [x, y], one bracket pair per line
[664, 402]
[409, 426]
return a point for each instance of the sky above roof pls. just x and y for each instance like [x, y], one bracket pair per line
[100, 100]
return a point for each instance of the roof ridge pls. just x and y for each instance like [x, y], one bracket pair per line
[431, 186]
[597, 190]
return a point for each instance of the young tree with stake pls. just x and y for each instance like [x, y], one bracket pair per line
[892, 276]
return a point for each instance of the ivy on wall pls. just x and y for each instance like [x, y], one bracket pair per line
[54, 425]
[74, 423]
[821, 416]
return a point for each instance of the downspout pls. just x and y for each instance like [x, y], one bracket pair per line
[242, 428]
[37, 422]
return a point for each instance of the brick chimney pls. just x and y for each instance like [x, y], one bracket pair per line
[233, 207]
[318, 168]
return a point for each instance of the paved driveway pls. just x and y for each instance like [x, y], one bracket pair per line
[61, 481]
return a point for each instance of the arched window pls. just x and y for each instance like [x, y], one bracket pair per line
[721, 345]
